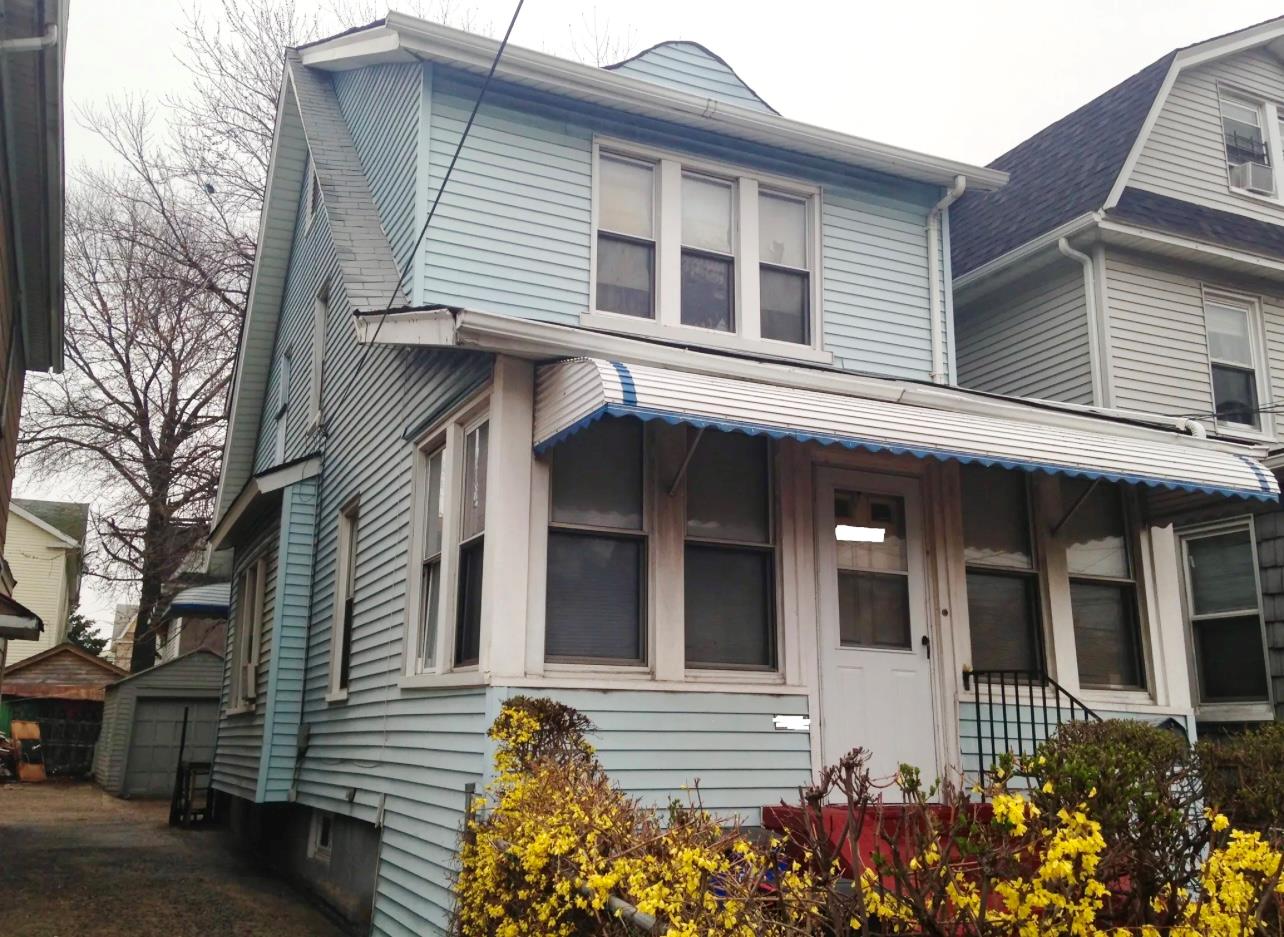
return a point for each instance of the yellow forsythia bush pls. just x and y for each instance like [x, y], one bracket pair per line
[556, 849]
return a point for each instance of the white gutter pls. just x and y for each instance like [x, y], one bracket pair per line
[402, 38]
[1090, 309]
[31, 43]
[543, 341]
[1031, 247]
[935, 271]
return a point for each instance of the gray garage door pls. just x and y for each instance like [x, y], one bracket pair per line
[153, 747]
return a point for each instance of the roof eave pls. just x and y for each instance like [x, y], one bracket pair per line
[402, 38]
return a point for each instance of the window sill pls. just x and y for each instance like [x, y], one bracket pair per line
[337, 696]
[432, 681]
[1233, 432]
[1139, 701]
[1255, 196]
[708, 338]
[1235, 712]
[239, 710]
[599, 681]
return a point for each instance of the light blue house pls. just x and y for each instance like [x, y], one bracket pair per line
[658, 422]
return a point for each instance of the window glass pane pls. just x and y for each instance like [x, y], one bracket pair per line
[1105, 634]
[1095, 533]
[870, 531]
[727, 489]
[429, 594]
[476, 445]
[1222, 578]
[729, 607]
[782, 231]
[873, 609]
[996, 524]
[1235, 395]
[1232, 665]
[597, 476]
[625, 277]
[594, 597]
[1228, 334]
[707, 292]
[468, 623]
[433, 506]
[706, 213]
[1241, 128]
[626, 192]
[785, 305]
[1004, 620]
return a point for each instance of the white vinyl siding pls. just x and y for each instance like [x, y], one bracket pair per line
[1029, 340]
[1185, 155]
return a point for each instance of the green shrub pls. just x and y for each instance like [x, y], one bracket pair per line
[1243, 775]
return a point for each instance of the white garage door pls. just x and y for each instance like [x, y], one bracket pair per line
[153, 747]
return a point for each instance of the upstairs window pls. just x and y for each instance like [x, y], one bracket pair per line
[1247, 148]
[472, 541]
[1003, 594]
[251, 586]
[1232, 354]
[706, 254]
[626, 237]
[280, 417]
[1097, 537]
[320, 318]
[345, 597]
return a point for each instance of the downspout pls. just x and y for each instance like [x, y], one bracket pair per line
[31, 43]
[1095, 364]
[935, 271]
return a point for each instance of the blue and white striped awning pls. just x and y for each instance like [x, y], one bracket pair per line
[573, 394]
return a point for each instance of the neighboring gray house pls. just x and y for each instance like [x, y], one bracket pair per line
[1134, 264]
[655, 424]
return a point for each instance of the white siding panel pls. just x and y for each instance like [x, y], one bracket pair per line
[687, 67]
[1184, 156]
[1030, 340]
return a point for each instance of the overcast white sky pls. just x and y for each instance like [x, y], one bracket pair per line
[964, 80]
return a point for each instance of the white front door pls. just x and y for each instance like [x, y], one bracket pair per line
[875, 655]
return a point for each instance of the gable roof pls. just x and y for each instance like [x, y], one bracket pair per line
[1079, 164]
[64, 671]
[185, 660]
[309, 125]
[693, 68]
[1060, 173]
[69, 518]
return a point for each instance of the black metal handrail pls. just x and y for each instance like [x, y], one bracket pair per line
[1016, 710]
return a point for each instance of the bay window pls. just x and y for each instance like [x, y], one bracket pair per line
[730, 556]
[1003, 593]
[626, 237]
[597, 546]
[1097, 536]
[1223, 611]
[709, 254]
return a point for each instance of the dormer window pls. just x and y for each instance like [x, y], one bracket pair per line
[705, 254]
[1248, 145]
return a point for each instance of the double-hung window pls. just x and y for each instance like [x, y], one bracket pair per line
[345, 596]
[708, 253]
[1223, 608]
[447, 548]
[597, 547]
[1003, 594]
[730, 556]
[1248, 148]
[250, 589]
[1230, 324]
[626, 237]
[1097, 536]
[783, 264]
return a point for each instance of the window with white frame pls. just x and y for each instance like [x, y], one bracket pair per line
[626, 237]
[345, 581]
[730, 556]
[251, 585]
[1097, 535]
[282, 408]
[1234, 367]
[1224, 614]
[597, 547]
[1248, 145]
[321, 836]
[320, 317]
[1003, 580]
[312, 191]
[448, 545]
[725, 255]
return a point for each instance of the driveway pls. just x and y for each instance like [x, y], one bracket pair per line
[75, 862]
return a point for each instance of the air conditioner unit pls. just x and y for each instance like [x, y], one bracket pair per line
[1254, 177]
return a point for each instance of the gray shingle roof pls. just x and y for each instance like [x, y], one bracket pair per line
[1163, 213]
[370, 273]
[1060, 173]
[70, 517]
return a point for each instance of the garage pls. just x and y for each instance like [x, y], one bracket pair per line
[143, 714]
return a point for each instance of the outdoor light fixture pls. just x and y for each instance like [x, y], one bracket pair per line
[852, 534]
